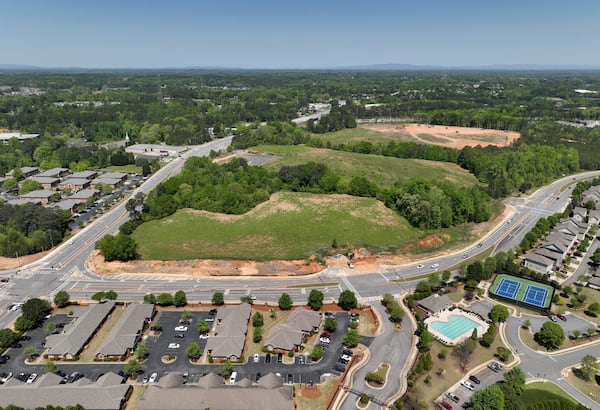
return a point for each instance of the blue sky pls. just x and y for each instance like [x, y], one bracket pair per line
[286, 34]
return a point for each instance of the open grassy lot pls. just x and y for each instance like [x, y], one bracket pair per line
[593, 296]
[585, 387]
[539, 391]
[363, 134]
[288, 226]
[125, 168]
[383, 171]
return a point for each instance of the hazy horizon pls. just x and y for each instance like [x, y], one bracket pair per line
[274, 35]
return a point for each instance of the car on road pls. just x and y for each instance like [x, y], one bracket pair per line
[173, 346]
[452, 397]
[232, 378]
[420, 266]
[474, 379]
[31, 378]
[256, 357]
[181, 328]
[497, 367]
[479, 245]
[153, 378]
[561, 317]
[257, 378]
[465, 256]
[435, 265]
[5, 377]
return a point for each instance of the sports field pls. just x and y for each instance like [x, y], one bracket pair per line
[288, 226]
[523, 290]
[383, 171]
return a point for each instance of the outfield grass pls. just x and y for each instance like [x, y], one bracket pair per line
[383, 171]
[289, 226]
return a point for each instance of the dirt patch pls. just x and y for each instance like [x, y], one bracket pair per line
[202, 268]
[310, 392]
[448, 136]
[12, 263]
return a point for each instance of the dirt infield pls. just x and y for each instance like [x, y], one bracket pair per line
[447, 136]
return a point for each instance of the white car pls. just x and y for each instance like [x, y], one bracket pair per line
[232, 378]
[153, 377]
[181, 328]
[435, 265]
[32, 378]
[256, 358]
[173, 345]
[467, 384]
[6, 378]
[203, 336]
[323, 339]
[346, 357]
[420, 266]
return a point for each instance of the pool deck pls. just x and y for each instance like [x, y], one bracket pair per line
[444, 316]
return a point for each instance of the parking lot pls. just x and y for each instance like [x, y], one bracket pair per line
[301, 371]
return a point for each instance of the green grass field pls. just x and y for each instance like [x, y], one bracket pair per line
[539, 392]
[363, 134]
[289, 226]
[383, 171]
[521, 292]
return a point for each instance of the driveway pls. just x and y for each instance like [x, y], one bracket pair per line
[392, 346]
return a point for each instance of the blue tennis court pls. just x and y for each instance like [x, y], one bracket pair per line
[508, 288]
[535, 296]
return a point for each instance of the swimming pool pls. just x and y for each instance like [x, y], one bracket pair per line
[456, 326]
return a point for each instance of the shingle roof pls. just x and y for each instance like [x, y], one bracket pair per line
[284, 337]
[435, 302]
[126, 332]
[230, 331]
[304, 320]
[77, 334]
[84, 194]
[108, 393]
[40, 193]
[53, 172]
[223, 397]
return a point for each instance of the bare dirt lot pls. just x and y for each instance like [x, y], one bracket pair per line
[447, 136]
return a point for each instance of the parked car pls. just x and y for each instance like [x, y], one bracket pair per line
[497, 367]
[209, 319]
[339, 367]
[212, 312]
[552, 318]
[153, 377]
[23, 377]
[474, 379]
[257, 378]
[203, 336]
[267, 358]
[452, 397]
[301, 359]
[4, 358]
[329, 315]
[346, 358]
[325, 340]
[16, 345]
[562, 317]
[179, 335]
[467, 384]
[185, 321]
[6, 377]
[256, 358]
[279, 357]
[232, 378]
[348, 352]
[181, 328]
[173, 346]
[24, 338]
[290, 378]
[145, 379]
[446, 405]
[31, 378]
